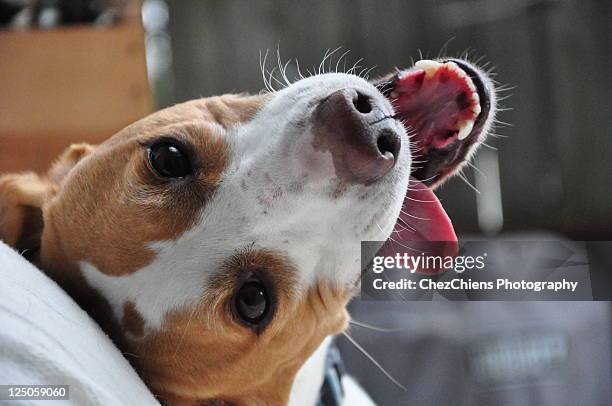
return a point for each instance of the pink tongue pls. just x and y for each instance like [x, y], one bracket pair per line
[422, 221]
[423, 218]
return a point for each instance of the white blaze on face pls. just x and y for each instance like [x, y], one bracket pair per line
[290, 191]
[289, 195]
[279, 193]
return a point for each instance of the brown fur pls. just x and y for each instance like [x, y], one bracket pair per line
[103, 205]
[132, 321]
[227, 360]
[22, 197]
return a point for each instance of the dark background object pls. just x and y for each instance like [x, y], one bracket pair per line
[553, 171]
[53, 13]
[8, 10]
[63, 85]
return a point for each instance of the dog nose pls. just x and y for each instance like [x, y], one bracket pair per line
[363, 139]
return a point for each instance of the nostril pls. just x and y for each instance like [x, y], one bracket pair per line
[388, 143]
[362, 103]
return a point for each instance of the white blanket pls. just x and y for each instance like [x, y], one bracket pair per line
[46, 339]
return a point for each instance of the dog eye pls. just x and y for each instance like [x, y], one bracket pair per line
[168, 160]
[252, 303]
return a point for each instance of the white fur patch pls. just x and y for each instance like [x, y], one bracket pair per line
[278, 193]
[268, 198]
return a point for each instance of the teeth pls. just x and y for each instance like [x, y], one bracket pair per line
[430, 67]
[465, 128]
[476, 101]
[452, 66]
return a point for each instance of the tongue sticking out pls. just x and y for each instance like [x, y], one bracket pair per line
[439, 104]
[424, 223]
[423, 218]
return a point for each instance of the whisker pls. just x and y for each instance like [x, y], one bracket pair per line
[505, 97]
[380, 228]
[271, 77]
[477, 169]
[262, 65]
[487, 66]
[407, 247]
[297, 66]
[282, 67]
[488, 146]
[413, 216]
[366, 75]
[420, 201]
[340, 59]
[402, 222]
[467, 182]
[373, 328]
[444, 48]
[319, 71]
[365, 71]
[280, 63]
[503, 123]
[372, 360]
[477, 61]
[423, 180]
[399, 231]
[505, 88]
[327, 55]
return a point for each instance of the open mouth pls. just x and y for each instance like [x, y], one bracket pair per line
[444, 105]
[438, 101]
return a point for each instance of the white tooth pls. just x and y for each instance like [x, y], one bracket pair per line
[465, 128]
[476, 101]
[452, 66]
[430, 67]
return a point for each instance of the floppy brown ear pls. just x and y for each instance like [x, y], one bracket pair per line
[22, 196]
[69, 158]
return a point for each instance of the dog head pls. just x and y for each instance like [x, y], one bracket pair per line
[219, 239]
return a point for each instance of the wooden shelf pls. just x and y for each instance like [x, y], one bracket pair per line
[68, 85]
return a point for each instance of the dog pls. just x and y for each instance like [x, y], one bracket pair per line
[218, 241]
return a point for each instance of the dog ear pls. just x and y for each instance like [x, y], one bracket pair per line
[69, 158]
[21, 199]
[22, 196]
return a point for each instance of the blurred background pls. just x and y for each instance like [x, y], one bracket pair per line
[81, 70]
[550, 169]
